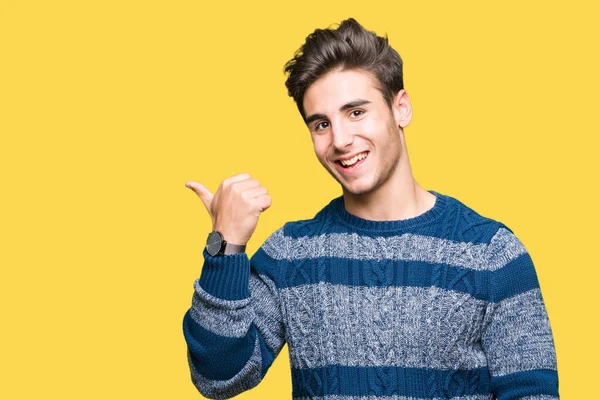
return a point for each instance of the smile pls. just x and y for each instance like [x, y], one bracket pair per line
[352, 164]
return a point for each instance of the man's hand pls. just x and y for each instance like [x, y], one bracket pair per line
[235, 207]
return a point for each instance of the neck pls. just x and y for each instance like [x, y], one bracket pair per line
[400, 197]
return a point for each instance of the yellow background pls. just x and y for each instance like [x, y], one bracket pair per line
[107, 108]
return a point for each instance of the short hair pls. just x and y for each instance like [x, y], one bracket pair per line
[350, 46]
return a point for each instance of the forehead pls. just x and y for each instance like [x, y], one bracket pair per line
[338, 87]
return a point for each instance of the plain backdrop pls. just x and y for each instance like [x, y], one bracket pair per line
[108, 107]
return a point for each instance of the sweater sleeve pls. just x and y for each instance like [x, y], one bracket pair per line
[517, 338]
[234, 329]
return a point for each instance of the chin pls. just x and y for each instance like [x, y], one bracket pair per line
[356, 187]
[359, 189]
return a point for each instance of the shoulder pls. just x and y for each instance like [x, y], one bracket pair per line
[465, 224]
[322, 222]
[277, 244]
[499, 242]
[505, 247]
[272, 256]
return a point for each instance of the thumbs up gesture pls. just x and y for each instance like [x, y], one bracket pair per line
[235, 207]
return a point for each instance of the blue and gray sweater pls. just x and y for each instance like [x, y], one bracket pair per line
[443, 305]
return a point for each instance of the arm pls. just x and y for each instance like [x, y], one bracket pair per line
[517, 337]
[234, 329]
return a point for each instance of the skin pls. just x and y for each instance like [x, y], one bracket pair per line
[381, 189]
[235, 207]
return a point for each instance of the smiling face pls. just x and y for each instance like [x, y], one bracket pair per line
[356, 137]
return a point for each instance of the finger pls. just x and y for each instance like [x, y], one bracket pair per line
[254, 192]
[263, 202]
[242, 186]
[236, 178]
[205, 195]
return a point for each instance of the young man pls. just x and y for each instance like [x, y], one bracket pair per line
[391, 291]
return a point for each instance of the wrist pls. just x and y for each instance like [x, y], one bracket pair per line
[218, 245]
[229, 233]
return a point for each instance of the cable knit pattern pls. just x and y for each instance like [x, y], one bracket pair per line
[445, 305]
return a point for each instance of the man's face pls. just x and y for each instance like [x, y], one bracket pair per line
[350, 123]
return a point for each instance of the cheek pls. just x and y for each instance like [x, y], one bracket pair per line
[392, 149]
[373, 129]
[320, 147]
[371, 124]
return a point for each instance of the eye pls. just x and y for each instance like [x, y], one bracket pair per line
[357, 113]
[321, 125]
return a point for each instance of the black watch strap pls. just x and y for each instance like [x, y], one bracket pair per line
[231, 248]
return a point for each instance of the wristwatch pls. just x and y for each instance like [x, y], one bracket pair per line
[216, 245]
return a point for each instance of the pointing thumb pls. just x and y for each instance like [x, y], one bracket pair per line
[205, 195]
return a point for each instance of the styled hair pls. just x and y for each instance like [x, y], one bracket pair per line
[350, 46]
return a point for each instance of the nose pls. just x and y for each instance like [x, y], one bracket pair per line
[342, 137]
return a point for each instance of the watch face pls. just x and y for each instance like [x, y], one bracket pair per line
[214, 243]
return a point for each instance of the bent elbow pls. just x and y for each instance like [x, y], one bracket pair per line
[247, 378]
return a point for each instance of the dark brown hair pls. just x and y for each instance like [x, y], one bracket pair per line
[350, 46]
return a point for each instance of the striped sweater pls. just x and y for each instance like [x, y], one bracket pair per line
[443, 305]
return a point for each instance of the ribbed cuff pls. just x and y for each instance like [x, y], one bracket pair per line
[226, 277]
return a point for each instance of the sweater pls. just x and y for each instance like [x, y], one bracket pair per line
[443, 305]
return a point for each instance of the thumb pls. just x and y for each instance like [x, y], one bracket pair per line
[205, 195]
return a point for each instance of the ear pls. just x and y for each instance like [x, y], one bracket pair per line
[402, 109]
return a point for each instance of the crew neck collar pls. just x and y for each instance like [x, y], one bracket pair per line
[439, 207]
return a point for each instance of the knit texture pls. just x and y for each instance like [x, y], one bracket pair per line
[443, 305]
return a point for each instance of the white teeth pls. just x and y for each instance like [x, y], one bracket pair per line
[354, 159]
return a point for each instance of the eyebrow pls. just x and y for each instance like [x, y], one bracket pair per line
[352, 104]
